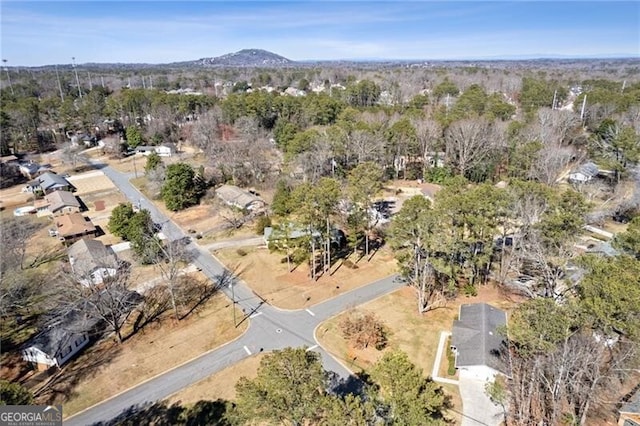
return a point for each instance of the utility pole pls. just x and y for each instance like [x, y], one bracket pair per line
[73, 58]
[555, 94]
[143, 85]
[584, 104]
[102, 80]
[90, 82]
[233, 300]
[8, 76]
[59, 85]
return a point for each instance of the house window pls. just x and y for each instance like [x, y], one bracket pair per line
[79, 341]
[65, 352]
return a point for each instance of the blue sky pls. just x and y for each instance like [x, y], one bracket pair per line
[47, 32]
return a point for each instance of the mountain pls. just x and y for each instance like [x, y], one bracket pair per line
[246, 58]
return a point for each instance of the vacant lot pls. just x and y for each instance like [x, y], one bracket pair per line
[109, 368]
[219, 385]
[415, 334]
[267, 275]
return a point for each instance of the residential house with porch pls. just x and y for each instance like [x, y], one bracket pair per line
[92, 262]
[57, 203]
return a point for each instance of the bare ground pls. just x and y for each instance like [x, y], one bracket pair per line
[267, 275]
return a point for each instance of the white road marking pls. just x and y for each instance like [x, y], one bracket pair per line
[312, 348]
[257, 314]
[247, 350]
[310, 313]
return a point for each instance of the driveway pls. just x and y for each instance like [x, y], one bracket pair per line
[476, 405]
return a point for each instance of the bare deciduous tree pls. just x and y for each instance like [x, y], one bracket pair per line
[469, 142]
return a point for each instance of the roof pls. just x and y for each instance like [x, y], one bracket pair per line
[61, 332]
[51, 180]
[60, 199]
[74, 224]
[88, 255]
[237, 196]
[588, 169]
[476, 336]
[632, 405]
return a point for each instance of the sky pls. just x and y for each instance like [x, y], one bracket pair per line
[52, 32]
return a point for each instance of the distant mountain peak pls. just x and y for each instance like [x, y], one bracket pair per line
[247, 58]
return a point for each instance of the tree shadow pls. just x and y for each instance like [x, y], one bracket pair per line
[161, 414]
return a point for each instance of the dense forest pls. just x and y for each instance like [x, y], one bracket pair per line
[500, 140]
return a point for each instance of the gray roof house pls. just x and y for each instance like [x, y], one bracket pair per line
[92, 261]
[50, 182]
[59, 340]
[56, 203]
[630, 410]
[238, 197]
[585, 173]
[476, 341]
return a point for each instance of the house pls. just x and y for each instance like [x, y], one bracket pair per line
[584, 174]
[630, 410]
[240, 198]
[164, 150]
[60, 340]
[29, 170]
[72, 227]
[274, 235]
[48, 182]
[477, 341]
[92, 262]
[57, 203]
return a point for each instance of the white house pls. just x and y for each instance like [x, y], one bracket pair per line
[92, 262]
[165, 150]
[584, 174]
[477, 343]
[59, 341]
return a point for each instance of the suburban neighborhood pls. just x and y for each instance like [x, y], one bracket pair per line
[251, 240]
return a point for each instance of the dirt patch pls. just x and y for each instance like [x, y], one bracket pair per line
[219, 385]
[417, 335]
[267, 275]
[109, 368]
[98, 205]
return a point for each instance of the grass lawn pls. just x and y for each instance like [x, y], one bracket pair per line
[415, 334]
[219, 385]
[267, 275]
[108, 368]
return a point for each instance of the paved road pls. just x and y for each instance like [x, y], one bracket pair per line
[270, 328]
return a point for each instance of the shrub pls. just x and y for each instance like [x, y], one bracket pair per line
[349, 264]
[261, 223]
[241, 252]
[364, 329]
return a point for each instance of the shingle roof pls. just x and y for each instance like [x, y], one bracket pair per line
[237, 196]
[61, 332]
[49, 180]
[632, 406]
[88, 255]
[73, 224]
[476, 336]
[60, 199]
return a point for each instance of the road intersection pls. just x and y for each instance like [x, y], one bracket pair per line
[270, 328]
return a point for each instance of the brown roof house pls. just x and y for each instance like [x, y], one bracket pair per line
[92, 262]
[72, 227]
[57, 203]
